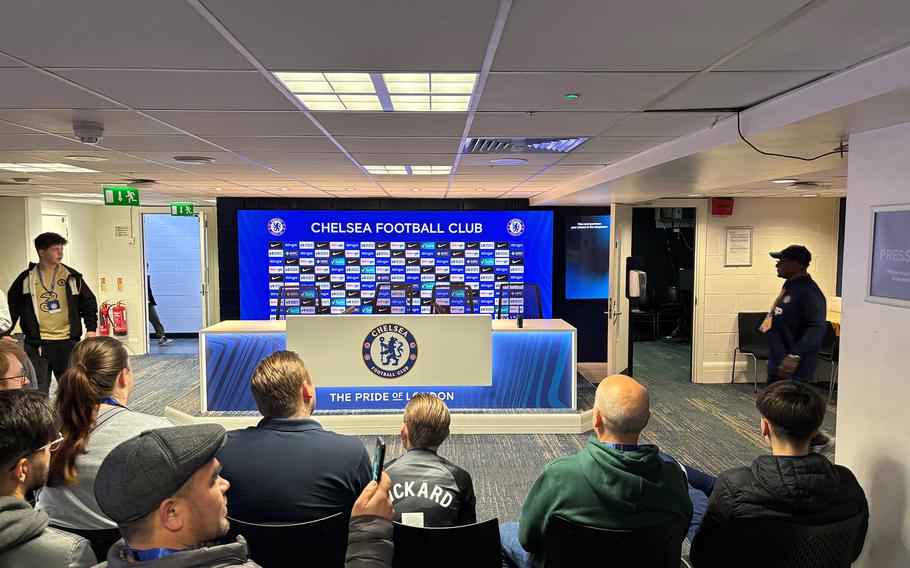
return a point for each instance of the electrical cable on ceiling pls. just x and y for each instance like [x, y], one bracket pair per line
[842, 149]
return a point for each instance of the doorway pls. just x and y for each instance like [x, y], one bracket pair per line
[174, 252]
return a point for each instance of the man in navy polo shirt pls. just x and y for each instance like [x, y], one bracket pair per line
[287, 469]
[795, 325]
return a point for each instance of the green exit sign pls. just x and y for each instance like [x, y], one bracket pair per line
[127, 196]
[182, 210]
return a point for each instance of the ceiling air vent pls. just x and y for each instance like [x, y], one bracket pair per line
[522, 145]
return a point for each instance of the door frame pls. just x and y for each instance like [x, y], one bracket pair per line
[698, 307]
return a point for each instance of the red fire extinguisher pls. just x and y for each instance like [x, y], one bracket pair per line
[118, 318]
[104, 327]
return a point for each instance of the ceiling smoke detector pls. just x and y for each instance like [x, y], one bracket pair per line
[88, 132]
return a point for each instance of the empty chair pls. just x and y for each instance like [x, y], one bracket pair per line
[466, 546]
[751, 341]
[453, 298]
[757, 543]
[100, 539]
[322, 542]
[571, 544]
[523, 295]
[830, 352]
[644, 310]
[667, 306]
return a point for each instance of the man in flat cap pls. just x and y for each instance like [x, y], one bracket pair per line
[164, 490]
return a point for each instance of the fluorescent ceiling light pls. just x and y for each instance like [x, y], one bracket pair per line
[46, 167]
[784, 181]
[809, 195]
[415, 92]
[85, 158]
[409, 170]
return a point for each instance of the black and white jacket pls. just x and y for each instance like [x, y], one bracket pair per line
[424, 483]
[23, 306]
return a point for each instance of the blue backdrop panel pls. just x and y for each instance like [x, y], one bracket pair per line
[530, 370]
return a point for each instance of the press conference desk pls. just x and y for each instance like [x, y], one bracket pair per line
[532, 367]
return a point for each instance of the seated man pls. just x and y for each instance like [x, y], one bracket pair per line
[791, 485]
[428, 490]
[28, 433]
[164, 490]
[287, 469]
[613, 483]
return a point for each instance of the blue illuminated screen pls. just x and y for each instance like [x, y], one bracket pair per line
[306, 262]
[587, 257]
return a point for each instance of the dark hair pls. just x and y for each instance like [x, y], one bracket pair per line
[94, 366]
[276, 384]
[47, 240]
[13, 349]
[27, 422]
[794, 409]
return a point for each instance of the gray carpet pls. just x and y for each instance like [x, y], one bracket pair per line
[712, 427]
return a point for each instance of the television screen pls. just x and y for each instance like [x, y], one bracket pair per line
[306, 262]
[587, 257]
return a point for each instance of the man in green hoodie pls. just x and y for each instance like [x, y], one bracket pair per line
[612, 483]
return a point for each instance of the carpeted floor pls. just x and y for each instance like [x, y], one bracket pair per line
[712, 427]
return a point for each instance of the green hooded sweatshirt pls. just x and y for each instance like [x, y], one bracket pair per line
[603, 487]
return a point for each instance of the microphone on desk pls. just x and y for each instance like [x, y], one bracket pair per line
[521, 321]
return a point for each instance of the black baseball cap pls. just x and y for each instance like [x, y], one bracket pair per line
[799, 253]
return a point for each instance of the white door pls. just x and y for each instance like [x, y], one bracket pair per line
[618, 311]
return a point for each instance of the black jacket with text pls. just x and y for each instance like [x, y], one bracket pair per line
[81, 303]
[425, 483]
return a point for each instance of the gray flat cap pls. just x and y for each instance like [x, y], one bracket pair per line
[145, 470]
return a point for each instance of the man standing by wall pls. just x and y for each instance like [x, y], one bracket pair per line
[51, 300]
[795, 326]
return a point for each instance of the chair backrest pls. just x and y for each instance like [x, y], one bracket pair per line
[666, 296]
[100, 539]
[453, 298]
[828, 348]
[747, 324]
[757, 543]
[468, 546]
[573, 544]
[322, 542]
[398, 295]
[526, 295]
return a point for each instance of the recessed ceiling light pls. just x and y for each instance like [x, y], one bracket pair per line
[387, 170]
[349, 189]
[430, 170]
[480, 189]
[695, 195]
[284, 189]
[784, 181]
[809, 195]
[415, 189]
[46, 167]
[508, 161]
[210, 200]
[85, 158]
[218, 189]
[193, 160]
[409, 170]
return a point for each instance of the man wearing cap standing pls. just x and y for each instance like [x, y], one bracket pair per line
[164, 490]
[795, 325]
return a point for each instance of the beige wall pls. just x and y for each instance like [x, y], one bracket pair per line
[82, 251]
[775, 224]
[874, 397]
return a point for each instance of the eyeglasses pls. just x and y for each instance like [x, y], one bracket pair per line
[23, 380]
[54, 446]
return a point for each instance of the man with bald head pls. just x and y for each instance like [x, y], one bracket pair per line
[613, 482]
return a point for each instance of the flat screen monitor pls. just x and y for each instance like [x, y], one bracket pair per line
[587, 257]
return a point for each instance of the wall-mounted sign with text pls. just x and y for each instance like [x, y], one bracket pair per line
[889, 279]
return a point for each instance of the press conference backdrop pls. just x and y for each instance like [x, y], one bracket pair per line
[346, 254]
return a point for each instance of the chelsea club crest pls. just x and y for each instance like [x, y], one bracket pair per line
[389, 351]
[516, 227]
[277, 226]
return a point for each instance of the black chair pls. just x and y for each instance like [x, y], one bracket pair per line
[322, 542]
[571, 544]
[100, 539]
[667, 306]
[643, 311]
[447, 296]
[830, 352]
[529, 295]
[751, 341]
[394, 294]
[754, 543]
[470, 546]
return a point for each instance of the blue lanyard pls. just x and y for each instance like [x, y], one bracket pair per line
[112, 401]
[53, 279]
[622, 447]
[151, 553]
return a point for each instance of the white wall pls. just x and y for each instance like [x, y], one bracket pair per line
[874, 397]
[775, 224]
[82, 251]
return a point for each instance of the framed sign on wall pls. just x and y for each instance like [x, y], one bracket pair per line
[738, 246]
[889, 262]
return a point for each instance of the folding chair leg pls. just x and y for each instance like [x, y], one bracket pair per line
[833, 381]
[733, 370]
[754, 372]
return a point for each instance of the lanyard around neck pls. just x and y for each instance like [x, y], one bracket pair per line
[112, 401]
[53, 279]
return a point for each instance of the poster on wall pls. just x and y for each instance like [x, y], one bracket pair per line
[738, 246]
[889, 274]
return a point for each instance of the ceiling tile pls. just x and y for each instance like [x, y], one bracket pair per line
[172, 144]
[240, 123]
[532, 159]
[361, 35]
[597, 91]
[542, 124]
[393, 123]
[275, 143]
[671, 124]
[368, 159]
[154, 34]
[60, 121]
[26, 142]
[832, 36]
[600, 159]
[405, 145]
[647, 35]
[620, 144]
[183, 90]
[26, 88]
[736, 89]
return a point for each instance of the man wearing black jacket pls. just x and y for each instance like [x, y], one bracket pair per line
[791, 486]
[51, 300]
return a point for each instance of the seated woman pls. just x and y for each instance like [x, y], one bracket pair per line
[92, 402]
